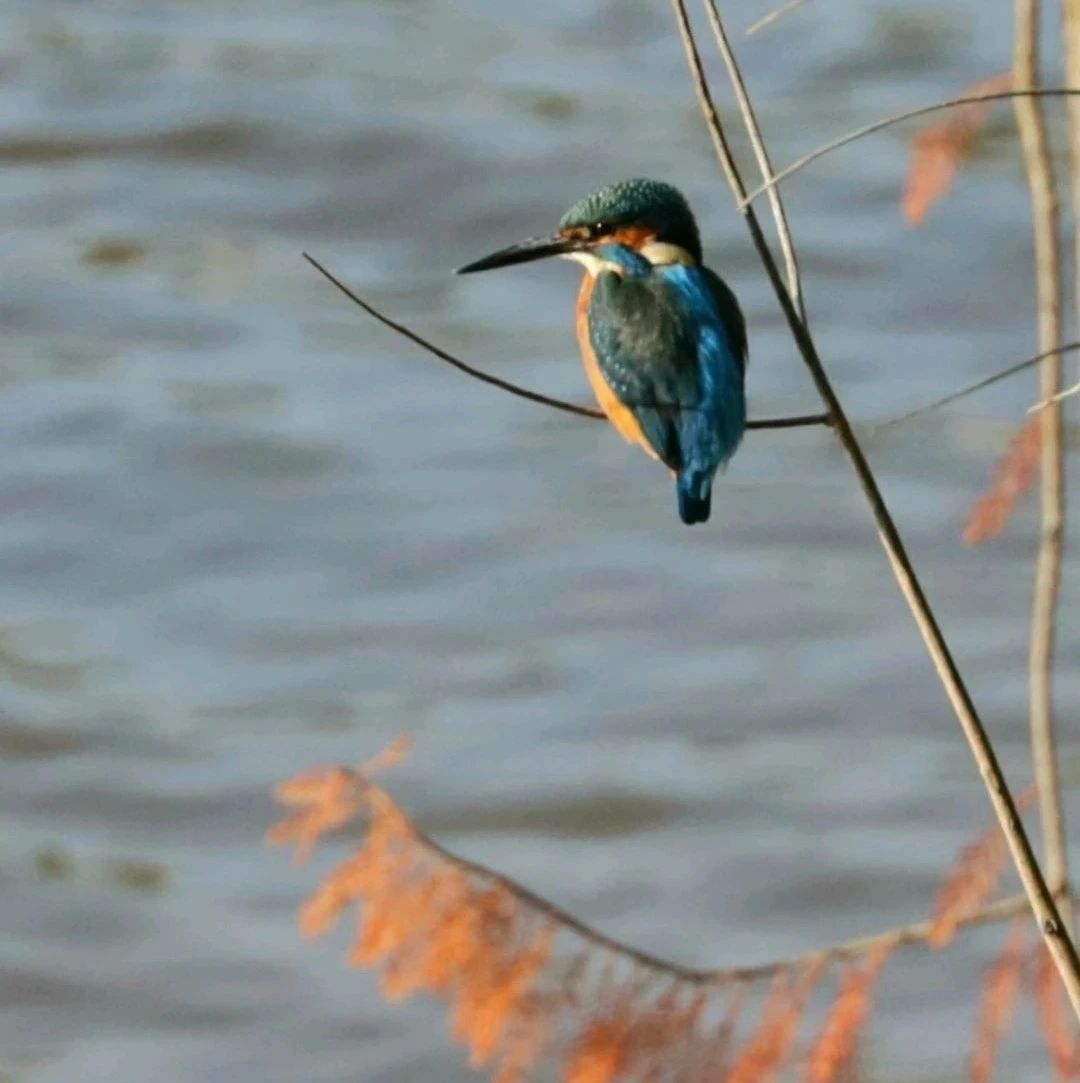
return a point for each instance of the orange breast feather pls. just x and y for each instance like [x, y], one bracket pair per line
[619, 415]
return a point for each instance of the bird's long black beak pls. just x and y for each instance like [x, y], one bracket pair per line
[534, 248]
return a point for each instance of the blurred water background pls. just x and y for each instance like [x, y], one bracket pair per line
[245, 530]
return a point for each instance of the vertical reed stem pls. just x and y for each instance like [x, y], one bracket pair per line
[1070, 21]
[1052, 464]
[1035, 144]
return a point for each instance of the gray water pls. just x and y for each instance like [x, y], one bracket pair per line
[245, 530]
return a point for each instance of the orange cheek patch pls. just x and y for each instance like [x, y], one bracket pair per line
[633, 236]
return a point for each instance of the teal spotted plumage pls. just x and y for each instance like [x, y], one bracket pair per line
[662, 336]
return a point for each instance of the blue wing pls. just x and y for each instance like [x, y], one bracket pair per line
[671, 344]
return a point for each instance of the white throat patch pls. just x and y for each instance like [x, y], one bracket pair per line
[659, 253]
[592, 263]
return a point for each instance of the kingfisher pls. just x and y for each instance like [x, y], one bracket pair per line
[662, 336]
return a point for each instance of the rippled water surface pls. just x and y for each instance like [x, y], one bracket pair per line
[244, 529]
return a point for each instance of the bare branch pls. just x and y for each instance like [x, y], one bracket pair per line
[325, 800]
[442, 355]
[897, 118]
[793, 422]
[988, 381]
[1043, 905]
[1070, 26]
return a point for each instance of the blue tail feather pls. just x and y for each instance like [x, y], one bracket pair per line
[695, 496]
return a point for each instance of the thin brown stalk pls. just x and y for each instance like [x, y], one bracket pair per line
[988, 381]
[1069, 92]
[761, 156]
[324, 800]
[1070, 19]
[1042, 901]
[442, 355]
[997, 1003]
[1035, 143]
[1070, 12]
[793, 422]
[919, 932]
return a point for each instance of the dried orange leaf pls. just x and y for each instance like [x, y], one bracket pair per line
[998, 1001]
[1058, 1025]
[600, 1054]
[939, 149]
[771, 1044]
[1014, 476]
[838, 1040]
[973, 878]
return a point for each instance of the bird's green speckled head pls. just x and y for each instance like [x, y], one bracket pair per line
[646, 215]
[648, 204]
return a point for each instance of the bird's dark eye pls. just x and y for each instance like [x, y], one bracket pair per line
[598, 229]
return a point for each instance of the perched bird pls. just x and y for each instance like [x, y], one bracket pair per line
[662, 336]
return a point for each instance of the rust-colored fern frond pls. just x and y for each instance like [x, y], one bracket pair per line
[524, 980]
[432, 922]
[1013, 477]
[327, 798]
[972, 879]
[426, 922]
[998, 1001]
[835, 1046]
[633, 1035]
[1058, 1025]
[938, 151]
[769, 1048]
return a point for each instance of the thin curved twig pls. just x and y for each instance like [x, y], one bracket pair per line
[897, 118]
[918, 932]
[970, 389]
[1043, 904]
[794, 422]
[1070, 26]
[442, 355]
[328, 799]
